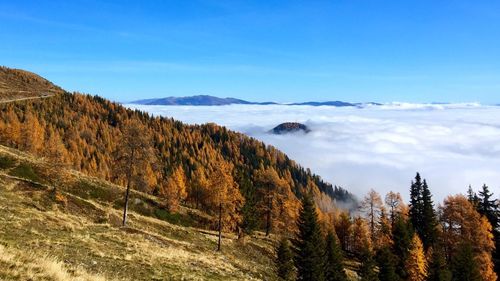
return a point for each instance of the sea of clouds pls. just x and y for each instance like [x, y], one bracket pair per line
[380, 147]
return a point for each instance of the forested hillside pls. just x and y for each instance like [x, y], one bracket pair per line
[86, 133]
[17, 83]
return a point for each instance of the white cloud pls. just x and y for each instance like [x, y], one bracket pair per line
[378, 147]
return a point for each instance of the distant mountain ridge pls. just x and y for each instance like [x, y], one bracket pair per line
[207, 100]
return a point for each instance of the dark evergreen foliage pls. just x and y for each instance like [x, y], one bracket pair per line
[334, 267]
[309, 244]
[464, 267]
[428, 230]
[387, 262]
[437, 267]
[490, 208]
[415, 211]
[367, 270]
[284, 261]
[402, 236]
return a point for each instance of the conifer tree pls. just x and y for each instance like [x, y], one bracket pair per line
[437, 266]
[429, 219]
[416, 264]
[415, 212]
[284, 261]
[386, 262]
[309, 244]
[334, 268]
[343, 228]
[489, 207]
[371, 206]
[401, 235]
[367, 270]
[464, 266]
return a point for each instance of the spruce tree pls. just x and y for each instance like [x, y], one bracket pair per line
[401, 235]
[334, 267]
[437, 267]
[386, 262]
[284, 261]
[428, 219]
[464, 267]
[490, 208]
[415, 211]
[309, 244]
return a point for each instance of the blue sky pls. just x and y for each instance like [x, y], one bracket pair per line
[352, 50]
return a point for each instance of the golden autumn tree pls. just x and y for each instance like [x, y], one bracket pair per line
[416, 264]
[462, 224]
[270, 187]
[225, 198]
[371, 207]
[396, 205]
[198, 187]
[32, 134]
[360, 237]
[174, 190]
[343, 229]
[134, 153]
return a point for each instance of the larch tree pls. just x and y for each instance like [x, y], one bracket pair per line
[416, 264]
[269, 184]
[371, 207]
[463, 225]
[395, 203]
[284, 261]
[360, 240]
[132, 155]
[174, 190]
[309, 244]
[198, 187]
[225, 198]
[343, 228]
[32, 134]
[334, 261]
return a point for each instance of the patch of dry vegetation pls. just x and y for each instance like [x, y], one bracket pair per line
[18, 84]
[68, 227]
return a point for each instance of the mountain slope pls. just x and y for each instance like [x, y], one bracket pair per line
[21, 84]
[58, 224]
[84, 131]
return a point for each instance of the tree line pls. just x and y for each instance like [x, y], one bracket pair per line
[390, 240]
[180, 164]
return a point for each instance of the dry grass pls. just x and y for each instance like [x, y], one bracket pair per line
[21, 84]
[76, 234]
[21, 265]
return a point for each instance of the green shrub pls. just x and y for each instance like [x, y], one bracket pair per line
[25, 171]
[7, 162]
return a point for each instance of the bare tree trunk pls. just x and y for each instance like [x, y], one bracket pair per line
[126, 206]
[220, 226]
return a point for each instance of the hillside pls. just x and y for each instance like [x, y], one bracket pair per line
[290, 127]
[59, 224]
[21, 84]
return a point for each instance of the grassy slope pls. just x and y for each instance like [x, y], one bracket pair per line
[61, 225]
[19, 84]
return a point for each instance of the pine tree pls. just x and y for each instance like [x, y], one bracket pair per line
[334, 268]
[309, 243]
[284, 261]
[464, 266]
[429, 218]
[416, 264]
[386, 262]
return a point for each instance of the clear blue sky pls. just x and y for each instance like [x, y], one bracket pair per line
[352, 50]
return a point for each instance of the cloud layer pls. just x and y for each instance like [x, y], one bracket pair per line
[378, 147]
